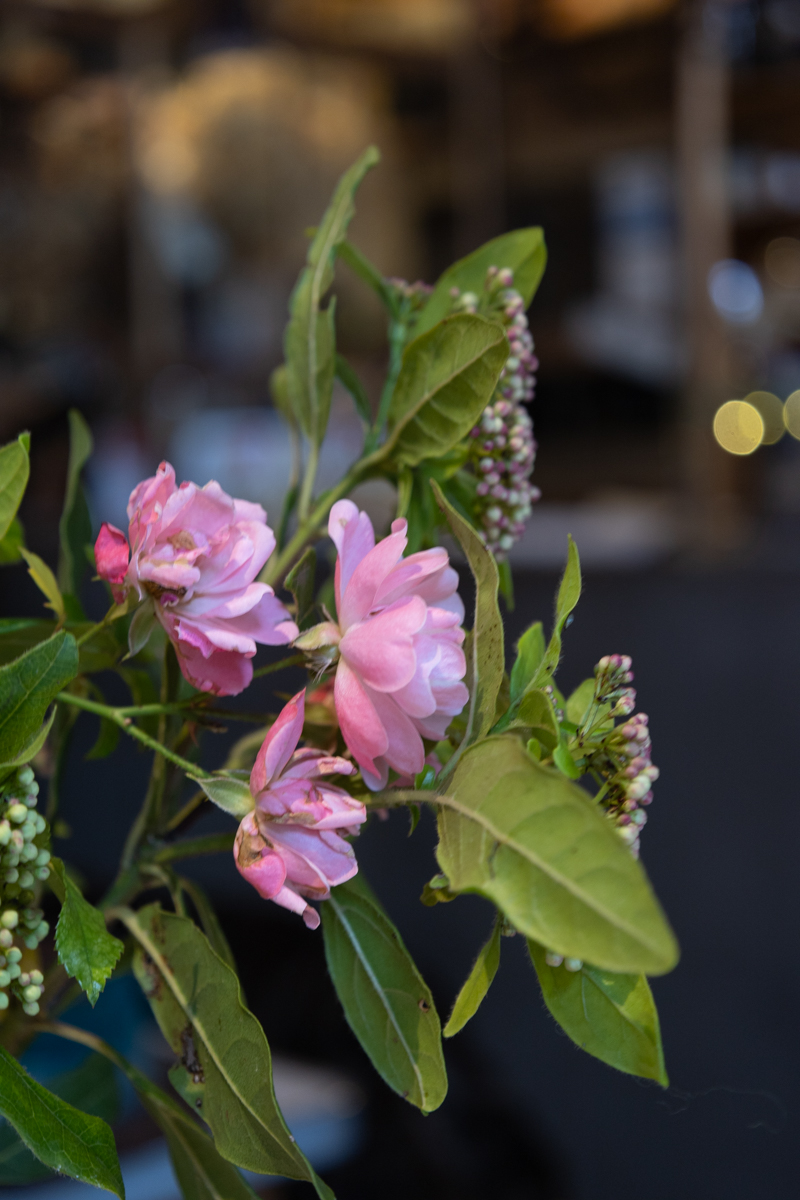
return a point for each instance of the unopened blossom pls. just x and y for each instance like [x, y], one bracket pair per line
[193, 559]
[503, 449]
[400, 669]
[290, 847]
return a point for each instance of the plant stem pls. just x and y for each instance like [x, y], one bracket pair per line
[214, 843]
[309, 477]
[398, 331]
[294, 660]
[119, 718]
[279, 564]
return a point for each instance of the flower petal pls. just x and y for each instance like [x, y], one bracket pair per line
[381, 649]
[277, 747]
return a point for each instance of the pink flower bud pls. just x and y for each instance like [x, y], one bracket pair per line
[111, 555]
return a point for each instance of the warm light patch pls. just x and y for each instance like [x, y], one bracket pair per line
[738, 427]
[581, 18]
[771, 410]
[791, 414]
[782, 261]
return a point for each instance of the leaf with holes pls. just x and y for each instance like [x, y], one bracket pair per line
[386, 1002]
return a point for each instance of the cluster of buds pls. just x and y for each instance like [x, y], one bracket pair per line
[503, 449]
[621, 756]
[24, 859]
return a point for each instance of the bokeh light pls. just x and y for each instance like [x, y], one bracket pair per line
[791, 414]
[735, 292]
[771, 410]
[738, 427]
[782, 261]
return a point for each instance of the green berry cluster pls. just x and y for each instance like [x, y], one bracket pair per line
[24, 859]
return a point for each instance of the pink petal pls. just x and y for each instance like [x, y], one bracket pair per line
[381, 648]
[296, 904]
[412, 573]
[358, 596]
[353, 536]
[221, 673]
[277, 747]
[359, 722]
[315, 862]
[111, 553]
[405, 751]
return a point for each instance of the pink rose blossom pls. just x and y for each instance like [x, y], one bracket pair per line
[195, 554]
[289, 846]
[401, 663]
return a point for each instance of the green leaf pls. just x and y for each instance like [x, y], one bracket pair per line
[90, 1087]
[486, 660]
[564, 760]
[209, 920]
[300, 582]
[143, 624]
[45, 580]
[106, 742]
[224, 1068]
[14, 472]
[472, 994]
[569, 592]
[231, 795]
[523, 250]
[530, 652]
[86, 950]
[446, 380]
[28, 685]
[350, 380]
[279, 391]
[60, 1135]
[11, 545]
[386, 1002]
[534, 843]
[578, 702]
[536, 711]
[31, 748]
[75, 526]
[611, 1016]
[309, 342]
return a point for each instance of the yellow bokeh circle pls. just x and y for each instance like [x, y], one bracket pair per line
[791, 414]
[738, 427]
[771, 410]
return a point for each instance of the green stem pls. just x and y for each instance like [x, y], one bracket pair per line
[214, 843]
[189, 807]
[125, 723]
[294, 660]
[359, 263]
[309, 477]
[398, 331]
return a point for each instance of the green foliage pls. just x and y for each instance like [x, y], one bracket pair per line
[530, 652]
[75, 527]
[233, 796]
[60, 1135]
[14, 472]
[11, 545]
[301, 583]
[578, 701]
[611, 1016]
[523, 250]
[91, 1087]
[569, 592]
[477, 984]
[28, 685]
[46, 582]
[535, 844]
[310, 338]
[225, 1068]
[106, 741]
[387, 1003]
[350, 380]
[486, 656]
[446, 380]
[536, 712]
[86, 950]
[209, 920]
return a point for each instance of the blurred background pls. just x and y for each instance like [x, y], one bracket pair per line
[160, 162]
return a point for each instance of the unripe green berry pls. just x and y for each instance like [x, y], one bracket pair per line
[5, 979]
[13, 970]
[31, 941]
[42, 873]
[31, 1010]
[31, 993]
[25, 776]
[43, 858]
[9, 919]
[5, 832]
[12, 875]
[6, 938]
[3, 1000]
[37, 977]
[17, 813]
[14, 954]
[42, 930]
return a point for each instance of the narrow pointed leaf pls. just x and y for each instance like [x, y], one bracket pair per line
[11, 545]
[301, 583]
[350, 380]
[225, 1068]
[45, 580]
[233, 796]
[536, 711]
[534, 843]
[209, 920]
[60, 1135]
[523, 250]
[91, 1087]
[86, 950]
[478, 982]
[613, 1017]
[28, 684]
[445, 382]
[75, 527]
[569, 592]
[386, 1002]
[530, 652]
[486, 659]
[578, 701]
[14, 472]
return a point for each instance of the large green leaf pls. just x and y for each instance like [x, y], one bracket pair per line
[75, 526]
[209, 921]
[387, 1003]
[90, 1087]
[14, 472]
[60, 1135]
[18, 634]
[523, 250]
[87, 951]
[477, 984]
[534, 843]
[486, 657]
[309, 344]
[611, 1016]
[445, 382]
[28, 685]
[225, 1068]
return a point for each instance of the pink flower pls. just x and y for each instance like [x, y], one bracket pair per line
[195, 554]
[401, 663]
[290, 847]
